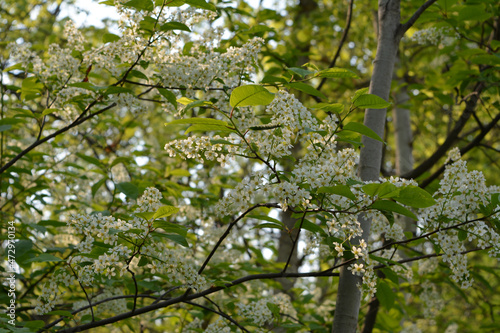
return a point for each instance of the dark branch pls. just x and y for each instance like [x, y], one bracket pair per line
[408, 24]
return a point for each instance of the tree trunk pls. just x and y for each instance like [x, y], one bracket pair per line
[348, 296]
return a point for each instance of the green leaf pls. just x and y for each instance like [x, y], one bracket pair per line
[98, 185]
[44, 257]
[201, 4]
[414, 196]
[138, 74]
[342, 190]
[370, 101]
[49, 111]
[111, 90]
[258, 28]
[145, 215]
[60, 313]
[90, 159]
[250, 95]
[174, 26]
[5, 128]
[140, 4]
[129, 189]
[108, 37]
[208, 128]
[175, 3]
[170, 96]
[392, 207]
[360, 92]
[170, 227]
[176, 238]
[306, 88]
[165, 211]
[179, 172]
[52, 223]
[31, 88]
[362, 129]
[337, 72]
[309, 226]
[382, 190]
[329, 107]
[299, 71]
[391, 275]
[201, 121]
[385, 294]
[474, 13]
[84, 85]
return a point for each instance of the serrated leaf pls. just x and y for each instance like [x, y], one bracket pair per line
[392, 207]
[44, 257]
[337, 72]
[165, 211]
[414, 196]
[250, 95]
[362, 129]
[342, 190]
[306, 88]
[360, 92]
[370, 101]
[129, 189]
[174, 26]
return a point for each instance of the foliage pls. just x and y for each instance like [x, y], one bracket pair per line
[144, 171]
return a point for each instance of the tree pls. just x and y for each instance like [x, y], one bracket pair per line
[110, 228]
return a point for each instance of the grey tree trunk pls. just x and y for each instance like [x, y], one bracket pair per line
[348, 296]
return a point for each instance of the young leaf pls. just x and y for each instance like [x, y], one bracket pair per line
[362, 129]
[327, 107]
[385, 295]
[250, 95]
[208, 128]
[202, 121]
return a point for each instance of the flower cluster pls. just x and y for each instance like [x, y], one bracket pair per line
[259, 312]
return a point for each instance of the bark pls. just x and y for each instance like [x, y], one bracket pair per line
[349, 297]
